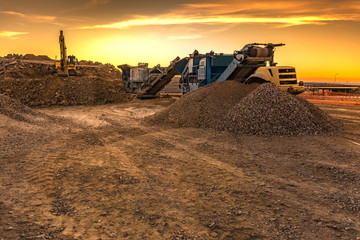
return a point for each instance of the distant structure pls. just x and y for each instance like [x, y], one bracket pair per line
[332, 87]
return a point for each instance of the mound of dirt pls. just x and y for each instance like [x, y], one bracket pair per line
[34, 57]
[204, 107]
[270, 111]
[33, 67]
[19, 69]
[246, 109]
[14, 109]
[68, 91]
[33, 81]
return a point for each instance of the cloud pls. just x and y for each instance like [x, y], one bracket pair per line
[97, 2]
[182, 20]
[12, 34]
[226, 8]
[278, 13]
[88, 4]
[31, 17]
[184, 37]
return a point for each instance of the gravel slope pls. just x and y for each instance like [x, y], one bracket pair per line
[246, 109]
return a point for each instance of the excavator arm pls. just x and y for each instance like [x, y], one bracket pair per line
[67, 64]
[62, 70]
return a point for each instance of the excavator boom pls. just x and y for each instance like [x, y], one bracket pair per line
[62, 70]
[67, 65]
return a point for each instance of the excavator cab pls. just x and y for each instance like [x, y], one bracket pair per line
[71, 60]
[72, 65]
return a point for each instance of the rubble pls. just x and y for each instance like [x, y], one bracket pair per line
[33, 81]
[34, 57]
[203, 107]
[31, 66]
[270, 111]
[246, 109]
[14, 68]
[15, 110]
[64, 91]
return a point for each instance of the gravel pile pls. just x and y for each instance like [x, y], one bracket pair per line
[204, 107]
[270, 111]
[246, 109]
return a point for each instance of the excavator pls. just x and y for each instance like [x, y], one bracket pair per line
[67, 64]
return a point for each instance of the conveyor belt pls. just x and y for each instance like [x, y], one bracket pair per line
[150, 89]
[240, 70]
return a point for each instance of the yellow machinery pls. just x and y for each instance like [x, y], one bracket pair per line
[254, 63]
[67, 64]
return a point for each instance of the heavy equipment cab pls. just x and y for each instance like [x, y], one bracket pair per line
[72, 65]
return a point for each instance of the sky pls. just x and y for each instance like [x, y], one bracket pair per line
[322, 37]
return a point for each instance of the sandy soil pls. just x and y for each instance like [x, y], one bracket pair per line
[96, 172]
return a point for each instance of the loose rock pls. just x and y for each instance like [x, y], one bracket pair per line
[204, 107]
[33, 81]
[271, 111]
[246, 109]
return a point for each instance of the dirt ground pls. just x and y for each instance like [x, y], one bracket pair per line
[332, 98]
[96, 172]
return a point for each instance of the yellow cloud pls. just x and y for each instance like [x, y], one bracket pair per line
[258, 8]
[233, 7]
[31, 17]
[12, 34]
[98, 2]
[184, 37]
[93, 3]
[203, 5]
[182, 20]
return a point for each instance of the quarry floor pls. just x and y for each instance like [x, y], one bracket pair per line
[97, 172]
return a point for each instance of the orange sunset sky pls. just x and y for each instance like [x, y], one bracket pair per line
[322, 37]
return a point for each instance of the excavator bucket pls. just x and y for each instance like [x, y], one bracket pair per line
[62, 72]
[73, 72]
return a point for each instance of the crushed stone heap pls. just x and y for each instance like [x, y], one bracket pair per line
[269, 111]
[246, 109]
[203, 107]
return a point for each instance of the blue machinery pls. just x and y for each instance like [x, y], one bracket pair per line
[201, 69]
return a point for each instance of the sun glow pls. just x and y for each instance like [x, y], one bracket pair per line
[171, 20]
[321, 37]
[12, 34]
